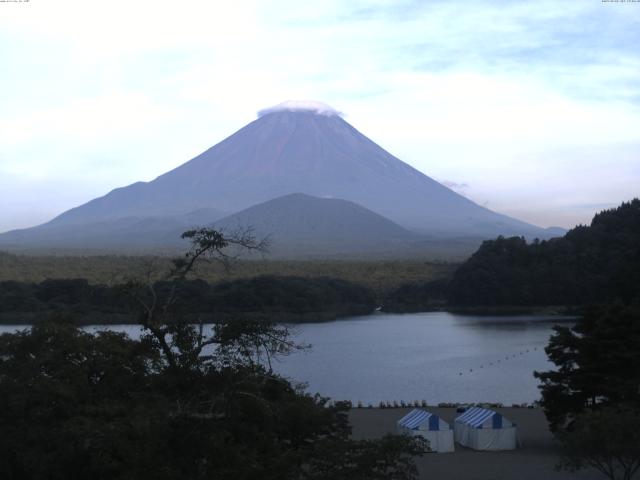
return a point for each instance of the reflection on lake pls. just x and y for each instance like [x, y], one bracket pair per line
[435, 356]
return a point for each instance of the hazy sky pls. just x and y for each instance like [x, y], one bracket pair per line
[529, 108]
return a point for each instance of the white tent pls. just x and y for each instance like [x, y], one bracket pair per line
[430, 426]
[483, 429]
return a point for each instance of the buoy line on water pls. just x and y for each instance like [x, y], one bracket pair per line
[507, 357]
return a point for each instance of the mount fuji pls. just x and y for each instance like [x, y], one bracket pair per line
[293, 148]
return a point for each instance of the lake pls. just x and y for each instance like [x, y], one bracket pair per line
[434, 356]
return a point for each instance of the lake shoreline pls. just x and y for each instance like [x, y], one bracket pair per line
[492, 310]
[434, 357]
[102, 318]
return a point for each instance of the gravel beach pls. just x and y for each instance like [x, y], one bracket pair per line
[534, 460]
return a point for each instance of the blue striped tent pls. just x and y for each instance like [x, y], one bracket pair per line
[430, 426]
[483, 429]
[477, 417]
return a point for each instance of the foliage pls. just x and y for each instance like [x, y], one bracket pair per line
[76, 405]
[292, 294]
[417, 297]
[361, 459]
[382, 276]
[598, 263]
[592, 400]
[182, 403]
[597, 362]
[607, 440]
[72, 404]
[269, 296]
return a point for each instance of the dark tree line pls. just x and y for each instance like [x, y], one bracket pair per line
[417, 297]
[590, 264]
[267, 295]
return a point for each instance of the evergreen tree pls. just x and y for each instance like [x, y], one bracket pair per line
[597, 364]
[598, 263]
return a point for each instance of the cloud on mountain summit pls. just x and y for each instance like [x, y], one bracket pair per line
[318, 108]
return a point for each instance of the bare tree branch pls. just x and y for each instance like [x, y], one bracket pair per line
[158, 318]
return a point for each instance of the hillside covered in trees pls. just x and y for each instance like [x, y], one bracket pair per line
[590, 264]
[598, 263]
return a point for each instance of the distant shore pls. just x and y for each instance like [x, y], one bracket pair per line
[559, 310]
[493, 309]
[101, 318]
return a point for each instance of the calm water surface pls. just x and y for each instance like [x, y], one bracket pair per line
[435, 356]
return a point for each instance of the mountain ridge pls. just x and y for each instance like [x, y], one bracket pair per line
[284, 152]
[299, 224]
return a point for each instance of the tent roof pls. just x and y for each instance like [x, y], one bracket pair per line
[476, 416]
[415, 418]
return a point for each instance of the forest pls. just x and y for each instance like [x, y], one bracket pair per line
[281, 298]
[382, 275]
[598, 263]
[93, 287]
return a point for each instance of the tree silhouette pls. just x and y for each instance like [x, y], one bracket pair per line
[181, 403]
